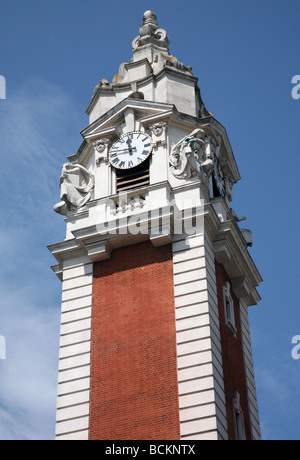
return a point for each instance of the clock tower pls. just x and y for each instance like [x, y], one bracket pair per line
[156, 272]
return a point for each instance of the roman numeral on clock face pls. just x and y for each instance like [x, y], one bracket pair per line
[130, 150]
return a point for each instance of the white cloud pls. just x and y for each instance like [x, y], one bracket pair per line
[34, 143]
[277, 376]
[28, 376]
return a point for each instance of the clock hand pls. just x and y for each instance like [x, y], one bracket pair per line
[129, 142]
[133, 149]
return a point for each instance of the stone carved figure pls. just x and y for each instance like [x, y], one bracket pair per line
[191, 155]
[76, 185]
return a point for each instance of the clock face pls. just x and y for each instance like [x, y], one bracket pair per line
[130, 150]
[219, 176]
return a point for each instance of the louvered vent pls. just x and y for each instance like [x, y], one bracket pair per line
[132, 178]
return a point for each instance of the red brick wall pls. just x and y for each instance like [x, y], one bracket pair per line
[233, 358]
[134, 390]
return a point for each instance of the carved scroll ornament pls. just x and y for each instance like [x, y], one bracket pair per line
[76, 185]
[149, 32]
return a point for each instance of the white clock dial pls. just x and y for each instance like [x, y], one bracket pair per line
[130, 150]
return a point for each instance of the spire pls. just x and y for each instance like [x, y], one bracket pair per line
[150, 58]
[150, 33]
[153, 43]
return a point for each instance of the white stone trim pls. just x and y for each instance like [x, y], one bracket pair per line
[202, 409]
[200, 373]
[249, 371]
[73, 401]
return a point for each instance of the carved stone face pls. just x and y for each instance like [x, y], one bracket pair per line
[158, 129]
[100, 145]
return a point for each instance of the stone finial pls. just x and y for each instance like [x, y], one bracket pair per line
[150, 33]
[150, 54]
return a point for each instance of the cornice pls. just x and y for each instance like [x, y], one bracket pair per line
[126, 103]
[97, 241]
[115, 87]
[65, 251]
[231, 251]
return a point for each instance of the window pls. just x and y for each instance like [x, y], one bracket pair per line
[238, 418]
[128, 179]
[229, 308]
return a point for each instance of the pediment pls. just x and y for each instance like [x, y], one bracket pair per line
[117, 119]
[131, 114]
[116, 116]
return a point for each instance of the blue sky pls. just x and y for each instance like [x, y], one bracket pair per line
[53, 53]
